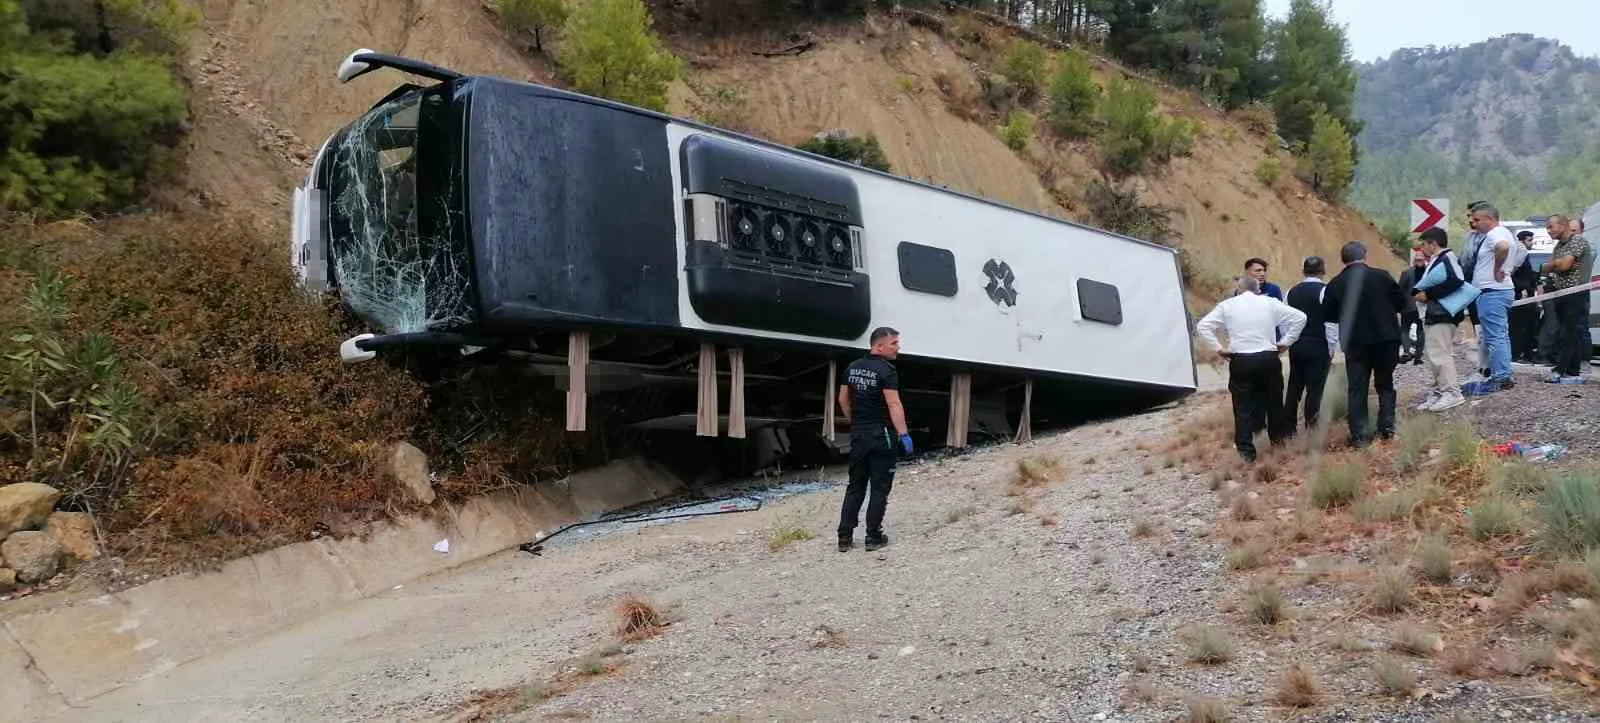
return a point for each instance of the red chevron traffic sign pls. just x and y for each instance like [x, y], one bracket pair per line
[1428, 212]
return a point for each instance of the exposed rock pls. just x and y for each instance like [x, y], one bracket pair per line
[8, 579]
[26, 506]
[410, 468]
[75, 532]
[34, 555]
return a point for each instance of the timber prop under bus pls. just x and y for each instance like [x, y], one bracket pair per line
[722, 278]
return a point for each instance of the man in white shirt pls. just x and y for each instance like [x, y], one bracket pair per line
[1253, 323]
[1497, 256]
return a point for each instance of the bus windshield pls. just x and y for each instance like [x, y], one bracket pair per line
[381, 262]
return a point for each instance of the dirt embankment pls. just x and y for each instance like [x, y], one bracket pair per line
[266, 94]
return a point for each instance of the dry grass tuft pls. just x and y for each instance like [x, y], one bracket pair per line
[1207, 644]
[1265, 605]
[1394, 678]
[1244, 509]
[1391, 590]
[1493, 517]
[1297, 688]
[1246, 557]
[637, 618]
[1338, 483]
[1020, 505]
[1462, 465]
[1463, 660]
[1434, 558]
[1414, 436]
[1142, 528]
[1519, 590]
[1206, 710]
[1143, 691]
[960, 513]
[1413, 639]
[1518, 478]
[1037, 471]
[1349, 642]
[827, 637]
[786, 531]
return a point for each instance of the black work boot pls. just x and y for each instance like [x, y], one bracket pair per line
[845, 543]
[875, 542]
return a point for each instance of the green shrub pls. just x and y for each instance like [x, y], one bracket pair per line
[1434, 558]
[1118, 208]
[1337, 484]
[1073, 97]
[610, 51]
[1174, 137]
[862, 151]
[1414, 436]
[1024, 65]
[1397, 236]
[1570, 512]
[1268, 171]
[1128, 126]
[1518, 478]
[1492, 517]
[1017, 130]
[1133, 134]
[1461, 452]
[1258, 118]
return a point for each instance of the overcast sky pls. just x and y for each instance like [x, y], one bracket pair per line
[1379, 27]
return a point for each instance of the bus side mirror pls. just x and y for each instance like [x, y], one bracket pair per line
[351, 68]
[349, 353]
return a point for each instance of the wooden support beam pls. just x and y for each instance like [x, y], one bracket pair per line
[736, 393]
[577, 381]
[829, 404]
[706, 422]
[960, 409]
[1025, 427]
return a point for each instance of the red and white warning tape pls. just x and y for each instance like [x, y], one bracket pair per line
[1594, 283]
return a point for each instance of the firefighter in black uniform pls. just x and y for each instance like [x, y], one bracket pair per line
[870, 398]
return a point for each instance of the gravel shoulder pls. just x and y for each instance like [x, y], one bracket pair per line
[1532, 411]
[1063, 603]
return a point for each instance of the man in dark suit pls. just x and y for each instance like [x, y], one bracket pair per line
[1366, 303]
[1311, 356]
[1524, 319]
[1411, 333]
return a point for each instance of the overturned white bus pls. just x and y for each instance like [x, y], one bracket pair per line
[614, 249]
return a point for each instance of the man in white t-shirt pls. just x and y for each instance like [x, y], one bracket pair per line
[1497, 256]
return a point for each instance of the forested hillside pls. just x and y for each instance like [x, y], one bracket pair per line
[1510, 119]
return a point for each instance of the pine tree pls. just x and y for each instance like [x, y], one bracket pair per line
[88, 116]
[1242, 34]
[1073, 96]
[1331, 157]
[610, 51]
[1312, 72]
[535, 16]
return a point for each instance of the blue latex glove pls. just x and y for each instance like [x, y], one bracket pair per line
[905, 441]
